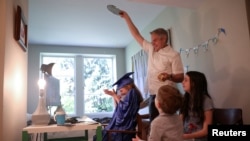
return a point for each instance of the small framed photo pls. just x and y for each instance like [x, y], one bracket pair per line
[21, 29]
[169, 37]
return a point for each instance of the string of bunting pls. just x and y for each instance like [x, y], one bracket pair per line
[204, 45]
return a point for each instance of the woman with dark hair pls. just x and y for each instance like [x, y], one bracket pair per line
[197, 109]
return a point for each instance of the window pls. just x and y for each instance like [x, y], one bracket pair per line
[82, 80]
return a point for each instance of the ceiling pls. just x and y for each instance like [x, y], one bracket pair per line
[88, 23]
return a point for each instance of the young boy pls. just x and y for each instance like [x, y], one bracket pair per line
[168, 125]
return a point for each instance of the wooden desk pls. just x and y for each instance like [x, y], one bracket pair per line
[83, 126]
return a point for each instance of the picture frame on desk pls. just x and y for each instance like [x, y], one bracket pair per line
[21, 29]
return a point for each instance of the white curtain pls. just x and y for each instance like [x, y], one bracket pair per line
[140, 63]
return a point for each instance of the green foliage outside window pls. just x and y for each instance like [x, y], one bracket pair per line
[97, 74]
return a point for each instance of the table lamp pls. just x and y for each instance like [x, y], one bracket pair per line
[41, 115]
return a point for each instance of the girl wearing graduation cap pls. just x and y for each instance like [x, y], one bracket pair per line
[127, 98]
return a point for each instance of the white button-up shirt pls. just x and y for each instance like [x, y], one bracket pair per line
[165, 60]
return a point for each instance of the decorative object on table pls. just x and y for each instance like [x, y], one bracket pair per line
[59, 108]
[60, 116]
[21, 29]
[114, 9]
[41, 115]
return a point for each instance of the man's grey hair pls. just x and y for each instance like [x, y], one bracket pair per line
[161, 32]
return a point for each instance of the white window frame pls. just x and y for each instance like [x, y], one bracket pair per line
[79, 97]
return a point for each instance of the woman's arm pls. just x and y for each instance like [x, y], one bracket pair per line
[204, 131]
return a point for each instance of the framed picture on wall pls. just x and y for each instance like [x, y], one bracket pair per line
[169, 37]
[21, 29]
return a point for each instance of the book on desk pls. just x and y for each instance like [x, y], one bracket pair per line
[87, 120]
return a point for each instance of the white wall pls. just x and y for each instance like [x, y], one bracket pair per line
[13, 74]
[34, 65]
[225, 63]
[2, 48]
